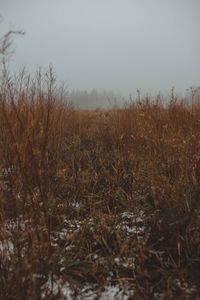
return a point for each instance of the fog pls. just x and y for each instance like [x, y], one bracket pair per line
[119, 45]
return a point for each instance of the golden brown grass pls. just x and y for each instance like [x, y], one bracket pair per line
[69, 177]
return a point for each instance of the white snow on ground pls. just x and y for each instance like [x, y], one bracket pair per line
[110, 292]
[118, 290]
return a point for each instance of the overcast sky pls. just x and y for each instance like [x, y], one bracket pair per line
[152, 45]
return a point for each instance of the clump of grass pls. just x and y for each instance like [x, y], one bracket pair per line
[92, 197]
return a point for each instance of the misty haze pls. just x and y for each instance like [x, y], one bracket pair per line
[113, 46]
[99, 149]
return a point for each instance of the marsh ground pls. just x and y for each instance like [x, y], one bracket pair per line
[98, 199]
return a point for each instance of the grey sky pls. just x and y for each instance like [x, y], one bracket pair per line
[109, 44]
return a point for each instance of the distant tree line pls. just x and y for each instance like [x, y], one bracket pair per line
[94, 99]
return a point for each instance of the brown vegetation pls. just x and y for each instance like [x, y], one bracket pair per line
[74, 183]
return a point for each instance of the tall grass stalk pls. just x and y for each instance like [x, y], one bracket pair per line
[72, 182]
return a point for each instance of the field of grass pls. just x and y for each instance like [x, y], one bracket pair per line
[97, 199]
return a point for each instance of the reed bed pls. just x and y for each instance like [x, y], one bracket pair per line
[91, 199]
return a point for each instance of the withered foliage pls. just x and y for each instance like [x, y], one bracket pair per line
[97, 196]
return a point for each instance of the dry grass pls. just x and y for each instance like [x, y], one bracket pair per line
[73, 184]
